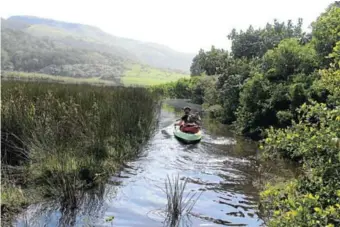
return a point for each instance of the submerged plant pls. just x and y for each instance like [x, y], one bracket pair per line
[178, 204]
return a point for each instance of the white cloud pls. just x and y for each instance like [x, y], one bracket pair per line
[185, 25]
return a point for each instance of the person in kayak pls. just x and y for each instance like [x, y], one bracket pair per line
[188, 118]
[187, 112]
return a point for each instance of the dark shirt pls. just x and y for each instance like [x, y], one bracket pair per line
[185, 118]
[189, 118]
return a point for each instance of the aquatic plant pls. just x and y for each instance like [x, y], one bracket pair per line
[179, 204]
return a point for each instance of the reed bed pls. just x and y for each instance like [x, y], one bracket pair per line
[62, 139]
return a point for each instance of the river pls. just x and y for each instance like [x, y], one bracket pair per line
[222, 167]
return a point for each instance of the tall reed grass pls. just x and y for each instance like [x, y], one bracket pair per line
[68, 137]
[179, 203]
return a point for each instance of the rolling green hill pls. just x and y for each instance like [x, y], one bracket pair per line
[75, 51]
[152, 54]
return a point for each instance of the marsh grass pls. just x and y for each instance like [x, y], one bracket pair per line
[179, 203]
[69, 138]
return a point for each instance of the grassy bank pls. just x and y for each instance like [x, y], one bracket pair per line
[134, 75]
[59, 140]
[145, 76]
[24, 76]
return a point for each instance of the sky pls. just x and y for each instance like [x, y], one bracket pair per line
[184, 25]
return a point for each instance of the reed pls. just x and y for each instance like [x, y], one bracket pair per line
[179, 203]
[70, 137]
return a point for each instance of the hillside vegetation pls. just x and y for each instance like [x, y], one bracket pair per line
[281, 85]
[92, 38]
[60, 53]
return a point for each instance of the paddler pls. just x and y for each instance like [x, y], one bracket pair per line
[189, 118]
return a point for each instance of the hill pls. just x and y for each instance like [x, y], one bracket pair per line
[63, 53]
[152, 54]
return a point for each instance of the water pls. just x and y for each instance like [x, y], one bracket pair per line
[222, 167]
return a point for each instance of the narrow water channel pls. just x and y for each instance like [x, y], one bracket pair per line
[221, 166]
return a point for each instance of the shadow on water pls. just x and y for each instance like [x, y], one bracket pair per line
[223, 167]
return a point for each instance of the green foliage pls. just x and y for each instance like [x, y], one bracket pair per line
[71, 137]
[285, 85]
[211, 62]
[255, 110]
[177, 89]
[336, 55]
[286, 206]
[255, 43]
[284, 117]
[328, 86]
[314, 199]
[326, 33]
[200, 89]
[287, 59]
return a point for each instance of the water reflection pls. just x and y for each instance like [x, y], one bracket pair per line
[55, 213]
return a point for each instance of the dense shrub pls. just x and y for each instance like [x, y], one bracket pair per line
[313, 199]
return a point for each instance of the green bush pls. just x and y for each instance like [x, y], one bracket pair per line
[255, 110]
[326, 33]
[314, 198]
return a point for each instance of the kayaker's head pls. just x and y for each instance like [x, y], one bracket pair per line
[187, 109]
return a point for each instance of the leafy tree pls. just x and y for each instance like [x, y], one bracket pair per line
[196, 67]
[229, 95]
[211, 62]
[326, 33]
[255, 110]
[287, 59]
[256, 42]
[314, 198]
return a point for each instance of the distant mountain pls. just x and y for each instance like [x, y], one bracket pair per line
[23, 52]
[93, 38]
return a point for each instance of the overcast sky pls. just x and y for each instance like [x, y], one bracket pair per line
[184, 25]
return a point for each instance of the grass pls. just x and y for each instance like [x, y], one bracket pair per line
[52, 78]
[178, 204]
[136, 75]
[147, 76]
[66, 139]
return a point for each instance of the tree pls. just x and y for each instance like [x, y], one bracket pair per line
[326, 33]
[255, 111]
[287, 59]
[211, 62]
[256, 42]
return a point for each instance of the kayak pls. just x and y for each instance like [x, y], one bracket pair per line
[187, 137]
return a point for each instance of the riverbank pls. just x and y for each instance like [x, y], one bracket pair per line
[60, 140]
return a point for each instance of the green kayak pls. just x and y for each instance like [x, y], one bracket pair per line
[187, 137]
